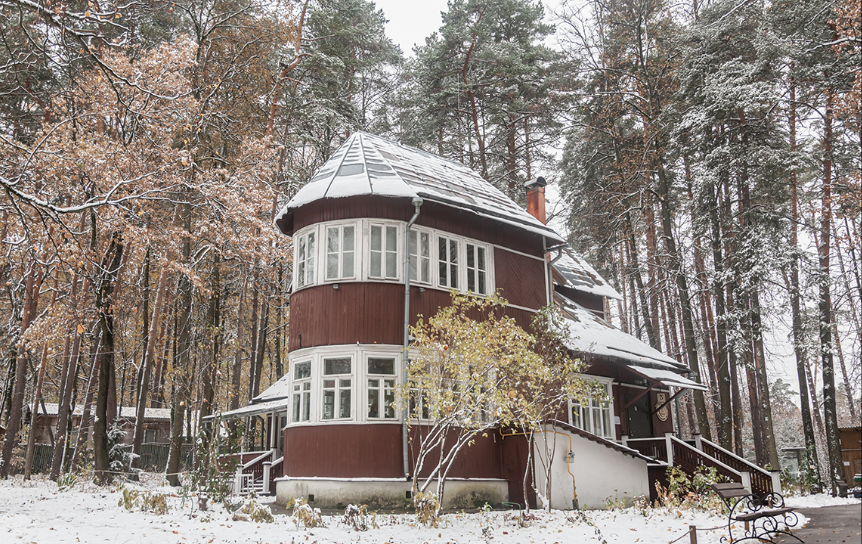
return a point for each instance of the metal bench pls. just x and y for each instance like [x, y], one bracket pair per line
[764, 516]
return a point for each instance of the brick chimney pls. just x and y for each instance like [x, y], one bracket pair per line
[536, 198]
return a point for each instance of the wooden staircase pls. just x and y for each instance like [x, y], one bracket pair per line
[257, 475]
[669, 451]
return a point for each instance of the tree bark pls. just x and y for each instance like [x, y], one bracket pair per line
[15, 414]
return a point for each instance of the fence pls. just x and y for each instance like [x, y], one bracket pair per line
[154, 457]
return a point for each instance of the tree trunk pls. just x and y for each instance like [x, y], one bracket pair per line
[685, 300]
[37, 400]
[836, 467]
[105, 306]
[795, 305]
[15, 414]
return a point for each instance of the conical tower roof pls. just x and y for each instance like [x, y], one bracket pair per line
[371, 165]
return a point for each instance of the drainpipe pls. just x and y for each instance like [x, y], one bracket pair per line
[417, 203]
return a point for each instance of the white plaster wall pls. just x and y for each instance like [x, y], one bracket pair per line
[600, 473]
[387, 493]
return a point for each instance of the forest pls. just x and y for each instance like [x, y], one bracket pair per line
[705, 155]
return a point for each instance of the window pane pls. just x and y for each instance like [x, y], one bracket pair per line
[336, 366]
[391, 265]
[375, 264]
[453, 276]
[453, 251]
[344, 406]
[576, 416]
[296, 403]
[349, 239]
[328, 403]
[300, 274]
[310, 268]
[471, 256]
[376, 238]
[373, 399]
[306, 405]
[412, 267]
[597, 421]
[425, 270]
[391, 239]
[381, 366]
[441, 251]
[482, 289]
[332, 240]
[389, 399]
[347, 265]
[332, 266]
[425, 247]
[302, 370]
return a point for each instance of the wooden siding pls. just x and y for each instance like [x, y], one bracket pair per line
[433, 215]
[365, 313]
[374, 451]
[520, 279]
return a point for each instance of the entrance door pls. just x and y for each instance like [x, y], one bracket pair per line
[638, 416]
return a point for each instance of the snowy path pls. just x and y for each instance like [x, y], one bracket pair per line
[37, 512]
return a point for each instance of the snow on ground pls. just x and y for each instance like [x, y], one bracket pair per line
[38, 512]
[820, 500]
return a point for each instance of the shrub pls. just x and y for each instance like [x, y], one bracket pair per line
[304, 514]
[427, 508]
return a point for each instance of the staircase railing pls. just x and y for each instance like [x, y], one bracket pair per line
[762, 481]
[691, 459]
[655, 448]
[250, 472]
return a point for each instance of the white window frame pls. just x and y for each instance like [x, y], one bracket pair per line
[305, 278]
[303, 388]
[448, 262]
[338, 388]
[325, 253]
[381, 389]
[417, 257]
[604, 410]
[473, 247]
[386, 228]
[462, 243]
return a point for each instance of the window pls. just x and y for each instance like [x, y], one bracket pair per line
[420, 256]
[418, 405]
[477, 270]
[340, 252]
[447, 257]
[381, 388]
[595, 416]
[302, 391]
[305, 260]
[384, 252]
[149, 436]
[337, 380]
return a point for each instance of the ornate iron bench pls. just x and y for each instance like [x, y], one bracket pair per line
[763, 516]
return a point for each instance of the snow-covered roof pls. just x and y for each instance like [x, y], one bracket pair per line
[590, 334]
[278, 390]
[255, 409]
[126, 412]
[578, 274]
[371, 165]
[668, 378]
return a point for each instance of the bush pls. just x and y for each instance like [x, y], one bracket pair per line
[427, 506]
[252, 511]
[690, 494]
[357, 517]
[304, 514]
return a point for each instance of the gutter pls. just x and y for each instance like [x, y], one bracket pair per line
[417, 203]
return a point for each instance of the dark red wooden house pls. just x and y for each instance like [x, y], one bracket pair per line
[381, 227]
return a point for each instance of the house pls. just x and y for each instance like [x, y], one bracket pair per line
[851, 453]
[157, 424]
[382, 233]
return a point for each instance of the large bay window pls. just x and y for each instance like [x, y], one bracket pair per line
[384, 252]
[420, 256]
[595, 416]
[381, 387]
[337, 388]
[301, 391]
[305, 254]
[340, 252]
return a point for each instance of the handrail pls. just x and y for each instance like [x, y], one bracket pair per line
[257, 460]
[703, 453]
[278, 461]
[738, 458]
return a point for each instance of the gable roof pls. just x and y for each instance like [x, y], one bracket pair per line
[371, 165]
[576, 273]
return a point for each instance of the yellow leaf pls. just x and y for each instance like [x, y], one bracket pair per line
[80, 329]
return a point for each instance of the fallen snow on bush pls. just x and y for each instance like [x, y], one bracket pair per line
[38, 512]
